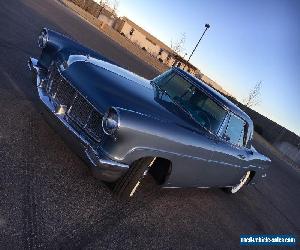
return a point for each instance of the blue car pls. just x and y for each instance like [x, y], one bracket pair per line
[173, 127]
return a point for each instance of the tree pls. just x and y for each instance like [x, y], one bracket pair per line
[114, 4]
[254, 97]
[102, 4]
[178, 45]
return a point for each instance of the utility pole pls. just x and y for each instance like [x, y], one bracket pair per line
[207, 26]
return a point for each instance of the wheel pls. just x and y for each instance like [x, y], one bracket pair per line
[243, 181]
[128, 184]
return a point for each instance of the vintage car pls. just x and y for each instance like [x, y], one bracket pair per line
[174, 127]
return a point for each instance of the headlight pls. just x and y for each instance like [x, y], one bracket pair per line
[43, 38]
[111, 121]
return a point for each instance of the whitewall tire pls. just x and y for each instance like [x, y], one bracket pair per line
[243, 181]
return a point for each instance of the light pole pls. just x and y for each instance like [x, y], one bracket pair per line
[207, 26]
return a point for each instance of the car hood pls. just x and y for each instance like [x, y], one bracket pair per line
[106, 85]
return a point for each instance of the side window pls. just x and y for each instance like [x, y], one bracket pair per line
[167, 75]
[234, 132]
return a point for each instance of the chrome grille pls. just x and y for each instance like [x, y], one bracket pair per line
[65, 93]
[93, 127]
[54, 80]
[79, 109]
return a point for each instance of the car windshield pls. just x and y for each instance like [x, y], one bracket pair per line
[200, 106]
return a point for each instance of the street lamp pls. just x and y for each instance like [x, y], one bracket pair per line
[207, 26]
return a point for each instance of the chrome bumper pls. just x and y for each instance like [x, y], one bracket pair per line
[102, 167]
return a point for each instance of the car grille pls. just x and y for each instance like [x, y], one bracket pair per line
[79, 110]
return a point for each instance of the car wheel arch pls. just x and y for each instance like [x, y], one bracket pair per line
[160, 170]
[252, 175]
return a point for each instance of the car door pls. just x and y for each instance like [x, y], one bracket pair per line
[230, 155]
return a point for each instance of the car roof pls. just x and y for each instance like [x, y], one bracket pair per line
[215, 95]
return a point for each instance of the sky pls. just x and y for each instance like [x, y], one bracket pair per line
[248, 41]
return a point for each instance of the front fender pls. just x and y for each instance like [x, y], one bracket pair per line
[59, 45]
[141, 134]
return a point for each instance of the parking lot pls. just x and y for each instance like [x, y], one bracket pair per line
[49, 198]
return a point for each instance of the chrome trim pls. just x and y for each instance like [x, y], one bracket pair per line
[153, 151]
[51, 106]
[223, 125]
[32, 65]
[43, 38]
[76, 58]
[91, 154]
[94, 158]
[71, 105]
[88, 119]
[78, 92]
[113, 163]
[105, 117]
[68, 110]
[61, 109]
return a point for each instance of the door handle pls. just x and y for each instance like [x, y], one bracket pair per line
[241, 156]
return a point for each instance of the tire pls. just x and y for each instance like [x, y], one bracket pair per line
[244, 180]
[128, 184]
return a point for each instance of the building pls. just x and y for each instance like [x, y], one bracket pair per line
[180, 62]
[107, 15]
[100, 11]
[151, 44]
[141, 37]
[135, 34]
[211, 83]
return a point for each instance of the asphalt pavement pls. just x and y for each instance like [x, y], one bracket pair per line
[48, 198]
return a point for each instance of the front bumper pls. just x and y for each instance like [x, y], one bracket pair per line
[102, 167]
